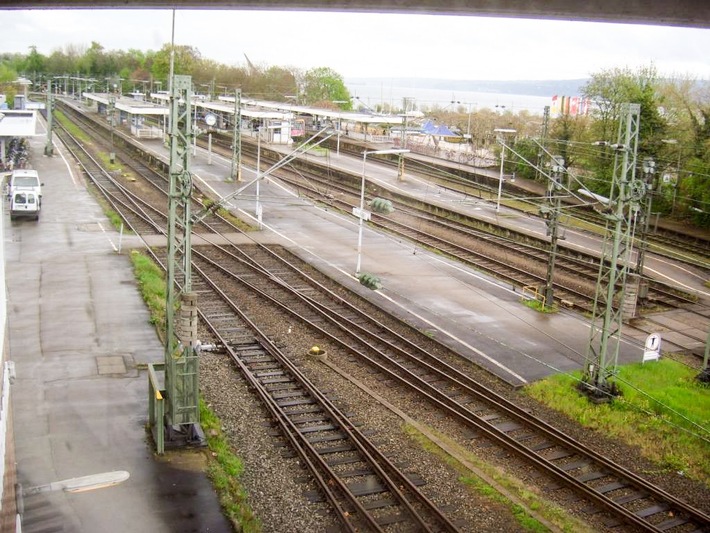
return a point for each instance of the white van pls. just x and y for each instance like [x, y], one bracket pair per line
[25, 180]
[24, 204]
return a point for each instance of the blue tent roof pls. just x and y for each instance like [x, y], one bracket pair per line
[428, 127]
[431, 129]
[444, 131]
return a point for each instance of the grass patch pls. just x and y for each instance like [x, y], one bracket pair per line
[115, 219]
[111, 168]
[538, 306]
[315, 150]
[237, 222]
[581, 224]
[72, 128]
[151, 283]
[673, 432]
[467, 466]
[224, 470]
[84, 137]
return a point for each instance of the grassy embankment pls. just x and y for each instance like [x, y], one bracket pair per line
[223, 466]
[663, 411]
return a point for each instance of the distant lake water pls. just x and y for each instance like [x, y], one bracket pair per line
[372, 94]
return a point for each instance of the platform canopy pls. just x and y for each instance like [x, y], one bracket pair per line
[20, 123]
[228, 107]
[332, 114]
[129, 105]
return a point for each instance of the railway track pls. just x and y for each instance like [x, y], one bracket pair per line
[506, 257]
[470, 181]
[606, 485]
[364, 488]
[576, 273]
[368, 492]
[488, 416]
[140, 217]
[143, 212]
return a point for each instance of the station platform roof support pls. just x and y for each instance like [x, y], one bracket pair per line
[264, 109]
[221, 107]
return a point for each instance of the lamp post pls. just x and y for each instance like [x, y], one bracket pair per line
[468, 128]
[257, 207]
[552, 214]
[500, 177]
[677, 179]
[361, 211]
[112, 113]
[400, 166]
[49, 147]
[501, 132]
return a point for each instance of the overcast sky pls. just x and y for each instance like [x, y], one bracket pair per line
[375, 45]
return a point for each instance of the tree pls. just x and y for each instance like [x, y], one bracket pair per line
[523, 158]
[93, 62]
[35, 62]
[323, 84]
[185, 60]
[608, 90]
[279, 83]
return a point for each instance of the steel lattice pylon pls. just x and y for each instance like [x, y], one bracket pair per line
[610, 306]
[182, 413]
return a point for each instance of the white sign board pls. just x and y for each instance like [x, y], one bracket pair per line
[365, 214]
[652, 349]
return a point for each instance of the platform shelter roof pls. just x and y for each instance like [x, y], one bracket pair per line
[223, 106]
[129, 105]
[18, 123]
[332, 114]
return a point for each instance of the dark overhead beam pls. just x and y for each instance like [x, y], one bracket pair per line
[688, 13]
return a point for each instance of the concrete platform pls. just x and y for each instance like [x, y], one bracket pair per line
[80, 337]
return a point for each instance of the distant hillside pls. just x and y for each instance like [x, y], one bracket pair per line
[529, 87]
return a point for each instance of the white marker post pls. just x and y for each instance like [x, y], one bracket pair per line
[652, 349]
